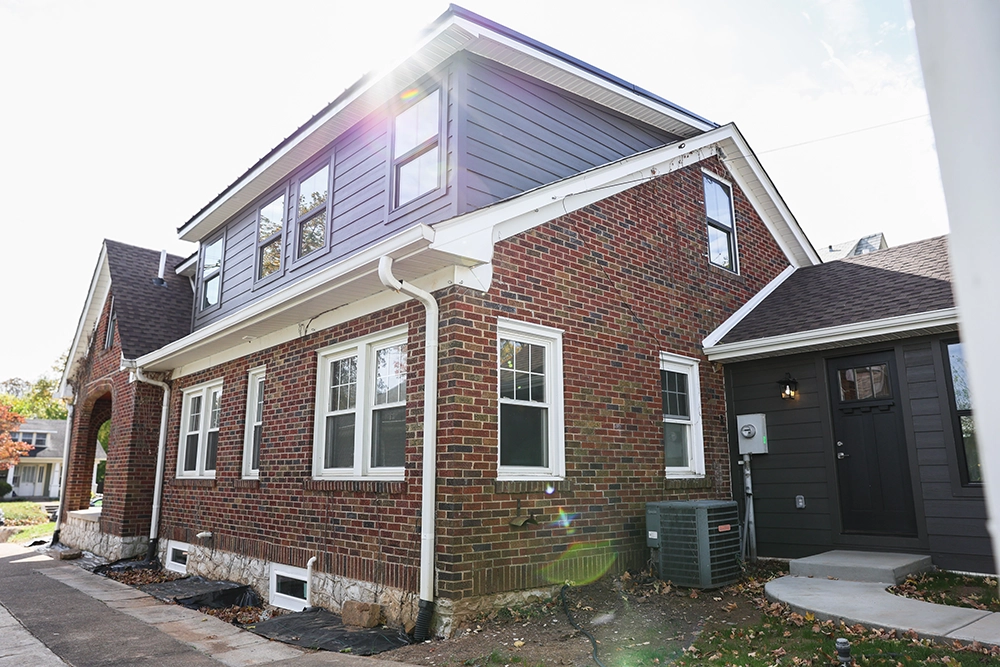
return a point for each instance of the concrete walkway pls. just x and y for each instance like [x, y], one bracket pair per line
[822, 585]
[56, 613]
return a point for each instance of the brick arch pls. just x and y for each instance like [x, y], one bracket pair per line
[88, 416]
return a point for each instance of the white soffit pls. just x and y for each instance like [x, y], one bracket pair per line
[857, 333]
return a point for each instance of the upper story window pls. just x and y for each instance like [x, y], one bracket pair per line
[36, 439]
[211, 273]
[683, 448]
[361, 408]
[416, 150]
[529, 360]
[965, 428]
[311, 211]
[199, 442]
[109, 333]
[721, 227]
[270, 236]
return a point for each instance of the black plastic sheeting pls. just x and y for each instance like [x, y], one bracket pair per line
[318, 628]
[125, 565]
[198, 592]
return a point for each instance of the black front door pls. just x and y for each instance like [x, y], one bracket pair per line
[873, 471]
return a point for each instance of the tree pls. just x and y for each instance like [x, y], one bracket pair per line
[11, 450]
[33, 401]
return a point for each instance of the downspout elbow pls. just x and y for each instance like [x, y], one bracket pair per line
[154, 521]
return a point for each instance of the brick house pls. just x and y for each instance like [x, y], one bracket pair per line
[446, 339]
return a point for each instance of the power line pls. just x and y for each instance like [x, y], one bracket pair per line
[844, 134]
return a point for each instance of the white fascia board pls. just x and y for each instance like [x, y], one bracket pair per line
[568, 68]
[97, 294]
[190, 264]
[747, 308]
[761, 177]
[419, 235]
[832, 336]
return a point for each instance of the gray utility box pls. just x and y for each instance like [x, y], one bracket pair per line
[699, 541]
[752, 432]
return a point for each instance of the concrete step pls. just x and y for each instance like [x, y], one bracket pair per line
[869, 566]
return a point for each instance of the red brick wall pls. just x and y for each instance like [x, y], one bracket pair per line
[625, 279]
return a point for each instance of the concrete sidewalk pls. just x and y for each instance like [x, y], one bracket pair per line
[54, 613]
[823, 588]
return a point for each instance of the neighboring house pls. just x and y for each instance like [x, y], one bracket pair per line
[445, 339]
[878, 444]
[39, 472]
[862, 246]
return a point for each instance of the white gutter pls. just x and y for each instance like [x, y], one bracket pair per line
[938, 320]
[428, 506]
[154, 520]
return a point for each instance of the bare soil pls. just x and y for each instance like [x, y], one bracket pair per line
[636, 620]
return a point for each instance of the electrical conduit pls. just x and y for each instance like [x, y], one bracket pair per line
[429, 479]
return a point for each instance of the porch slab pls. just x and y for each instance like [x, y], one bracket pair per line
[867, 566]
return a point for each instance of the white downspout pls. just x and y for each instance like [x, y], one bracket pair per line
[154, 520]
[428, 506]
[61, 516]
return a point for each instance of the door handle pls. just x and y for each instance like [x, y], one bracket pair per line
[842, 455]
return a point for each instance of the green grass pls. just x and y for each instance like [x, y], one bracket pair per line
[958, 590]
[30, 533]
[23, 513]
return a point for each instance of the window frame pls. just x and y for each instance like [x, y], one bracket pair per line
[215, 275]
[551, 339]
[279, 237]
[280, 599]
[438, 141]
[295, 186]
[205, 391]
[956, 417]
[109, 329]
[169, 563]
[690, 367]
[718, 226]
[364, 349]
[256, 382]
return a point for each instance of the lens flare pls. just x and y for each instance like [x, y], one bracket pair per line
[549, 490]
[581, 564]
[409, 94]
[565, 520]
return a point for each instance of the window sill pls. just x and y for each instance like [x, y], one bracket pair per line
[193, 482]
[540, 485]
[247, 483]
[367, 485]
[679, 483]
[729, 273]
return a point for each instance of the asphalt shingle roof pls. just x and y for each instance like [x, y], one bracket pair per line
[904, 280]
[149, 315]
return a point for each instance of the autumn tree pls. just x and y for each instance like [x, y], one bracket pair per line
[11, 450]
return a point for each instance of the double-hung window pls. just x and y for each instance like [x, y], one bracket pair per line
[721, 226]
[680, 392]
[311, 211]
[965, 428]
[361, 408]
[254, 423]
[109, 332]
[529, 370]
[211, 273]
[200, 418]
[416, 149]
[270, 236]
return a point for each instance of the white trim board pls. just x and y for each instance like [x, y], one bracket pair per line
[744, 310]
[854, 333]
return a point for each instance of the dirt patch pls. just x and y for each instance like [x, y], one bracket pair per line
[140, 576]
[636, 620]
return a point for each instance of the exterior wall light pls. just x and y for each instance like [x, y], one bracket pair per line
[789, 387]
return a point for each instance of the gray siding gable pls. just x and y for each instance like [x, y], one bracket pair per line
[503, 134]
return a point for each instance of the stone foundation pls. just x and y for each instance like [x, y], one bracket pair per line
[82, 529]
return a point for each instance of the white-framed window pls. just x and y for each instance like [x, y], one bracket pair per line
[177, 556]
[721, 223]
[289, 587]
[360, 426]
[254, 422]
[200, 417]
[530, 390]
[680, 390]
[416, 149]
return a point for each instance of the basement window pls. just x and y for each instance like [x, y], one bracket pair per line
[289, 587]
[177, 556]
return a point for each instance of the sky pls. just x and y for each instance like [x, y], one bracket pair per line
[122, 119]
